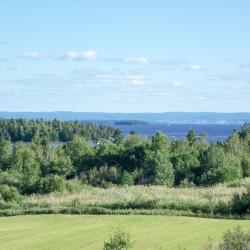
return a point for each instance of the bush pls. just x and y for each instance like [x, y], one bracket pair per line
[118, 241]
[9, 194]
[236, 239]
[127, 179]
[102, 177]
[8, 179]
[185, 183]
[51, 183]
[232, 240]
[244, 182]
[245, 164]
[241, 203]
[73, 186]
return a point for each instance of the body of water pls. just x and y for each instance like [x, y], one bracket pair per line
[214, 132]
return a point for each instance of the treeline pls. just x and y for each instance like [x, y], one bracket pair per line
[37, 168]
[55, 130]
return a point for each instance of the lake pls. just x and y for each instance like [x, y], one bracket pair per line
[215, 132]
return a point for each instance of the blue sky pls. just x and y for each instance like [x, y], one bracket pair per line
[125, 56]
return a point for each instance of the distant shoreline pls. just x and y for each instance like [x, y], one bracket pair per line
[159, 118]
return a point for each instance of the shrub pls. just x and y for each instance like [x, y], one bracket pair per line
[102, 177]
[73, 186]
[236, 239]
[244, 182]
[51, 183]
[9, 194]
[118, 241]
[8, 179]
[232, 240]
[241, 203]
[185, 183]
[245, 164]
[127, 179]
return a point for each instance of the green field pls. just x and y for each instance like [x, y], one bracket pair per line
[89, 231]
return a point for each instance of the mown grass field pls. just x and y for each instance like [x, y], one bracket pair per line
[89, 231]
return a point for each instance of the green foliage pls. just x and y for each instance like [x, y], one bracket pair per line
[185, 160]
[191, 137]
[158, 169]
[61, 164]
[8, 179]
[47, 131]
[217, 167]
[30, 170]
[9, 194]
[241, 203]
[126, 178]
[160, 142]
[237, 239]
[243, 182]
[132, 141]
[100, 157]
[104, 176]
[73, 186]
[5, 153]
[51, 183]
[109, 154]
[185, 183]
[118, 241]
[77, 149]
[245, 163]
[245, 133]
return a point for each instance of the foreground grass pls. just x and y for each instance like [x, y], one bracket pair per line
[89, 231]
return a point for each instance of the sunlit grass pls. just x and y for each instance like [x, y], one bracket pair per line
[61, 232]
[99, 196]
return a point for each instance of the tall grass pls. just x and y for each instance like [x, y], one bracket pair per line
[99, 196]
[208, 202]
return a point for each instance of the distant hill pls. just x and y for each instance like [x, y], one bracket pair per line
[168, 117]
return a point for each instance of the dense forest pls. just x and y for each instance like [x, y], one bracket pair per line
[54, 131]
[36, 167]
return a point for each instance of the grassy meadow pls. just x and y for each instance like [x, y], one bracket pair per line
[89, 231]
[113, 195]
[201, 202]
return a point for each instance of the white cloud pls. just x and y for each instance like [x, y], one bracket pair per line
[31, 55]
[195, 67]
[176, 83]
[80, 55]
[140, 60]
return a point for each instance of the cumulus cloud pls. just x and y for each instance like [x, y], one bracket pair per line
[80, 55]
[140, 60]
[31, 55]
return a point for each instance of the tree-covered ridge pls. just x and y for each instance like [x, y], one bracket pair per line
[38, 168]
[54, 130]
